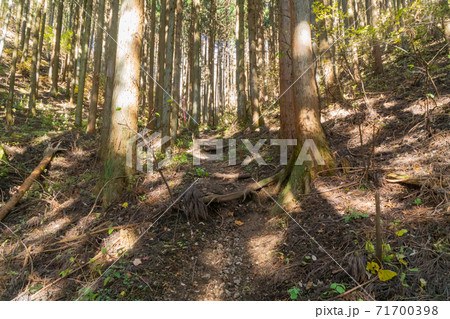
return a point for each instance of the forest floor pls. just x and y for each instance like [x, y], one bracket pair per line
[58, 241]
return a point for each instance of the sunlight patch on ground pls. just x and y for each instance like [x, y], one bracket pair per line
[262, 251]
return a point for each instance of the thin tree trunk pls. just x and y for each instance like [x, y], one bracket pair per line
[23, 25]
[5, 28]
[97, 65]
[196, 70]
[212, 46]
[26, 40]
[111, 52]
[151, 98]
[124, 122]
[161, 62]
[240, 62]
[34, 56]
[57, 49]
[83, 64]
[378, 62]
[254, 87]
[177, 72]
[165, 116]
[41, 44]
[72, 53]
[13, 67]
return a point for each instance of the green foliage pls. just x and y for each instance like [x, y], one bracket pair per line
[354, 215]
[200, 172]
[335, 288]
[294, 292]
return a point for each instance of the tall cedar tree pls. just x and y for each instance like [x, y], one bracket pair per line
[124, 122]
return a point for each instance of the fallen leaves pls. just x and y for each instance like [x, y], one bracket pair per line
[137, 262]
[238, 222]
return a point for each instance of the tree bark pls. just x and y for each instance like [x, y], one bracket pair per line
[167, 96]
[57, 49]
[124, 123]
[212, 46]
[297, 178]
[240, 62]
[34, 56]
[161, 63]
[5, 28]
[378, 62]
[83, 63]
[177, 72]
[254, 87]
[287, 119]
[97, 65]
[151, 85]
[72, 53]
[111, 52]
[196, 70]
[13, 67]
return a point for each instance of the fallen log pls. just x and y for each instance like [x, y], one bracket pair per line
[431, 181]
[12, 202]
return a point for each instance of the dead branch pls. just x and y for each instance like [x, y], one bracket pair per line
[430, 181]
[47, 158]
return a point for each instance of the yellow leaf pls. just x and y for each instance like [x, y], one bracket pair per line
[125, 205]
[238, 222]
[401, 232]
[122, 293]
[423, 282]
[373, 267]
[231, 214]
[386, 274]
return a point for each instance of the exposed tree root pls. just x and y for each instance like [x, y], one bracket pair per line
[195, 204]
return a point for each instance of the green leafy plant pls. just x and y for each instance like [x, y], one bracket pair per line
[354, 215]
[200, 172]
[336, 288]
[294, 292]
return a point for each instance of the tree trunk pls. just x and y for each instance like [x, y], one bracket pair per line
[196, 70]
[41, 44]
[177, 72]
[287, 119]
[34, 56]
[13, 67]
[83, 63]
[111, 52]
[23, 25]
[165, 116]
[27, 32]
[254, 87]
[151, 98]
[307, 109]
[124, 123]
[378, 62]
[72, 53]
[56, 49]
[5, 28]
[97, 65]
[240, 62]
[161, 62]
[212, 46]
